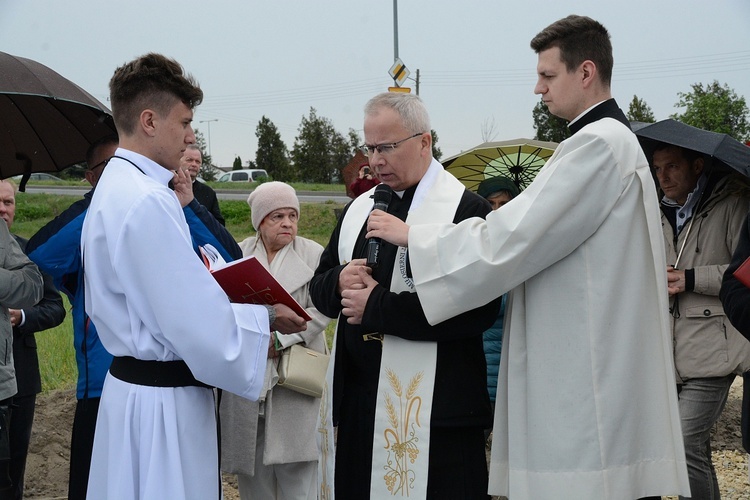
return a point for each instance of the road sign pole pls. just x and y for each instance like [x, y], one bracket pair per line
[395, 31]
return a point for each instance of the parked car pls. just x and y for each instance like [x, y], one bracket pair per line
[243, 175]
[38, 176]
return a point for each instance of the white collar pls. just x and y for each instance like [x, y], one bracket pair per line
[427, 180]
[147, 165]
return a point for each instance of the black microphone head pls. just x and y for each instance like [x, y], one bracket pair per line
[382, 197]
[382, 194]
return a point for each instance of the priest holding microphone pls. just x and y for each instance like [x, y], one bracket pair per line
[409, 399]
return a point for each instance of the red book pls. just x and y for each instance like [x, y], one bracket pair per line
[742, 273]
[246, 281]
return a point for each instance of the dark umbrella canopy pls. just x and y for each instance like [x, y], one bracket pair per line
[635, 125]
[721, 147]
[47, 122]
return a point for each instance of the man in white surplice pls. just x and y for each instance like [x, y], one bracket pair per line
[167, 322]
[586, 400]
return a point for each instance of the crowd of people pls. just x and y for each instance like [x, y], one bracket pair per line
[593, 322]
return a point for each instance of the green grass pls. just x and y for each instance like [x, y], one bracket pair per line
[34, 210]
[55, 346]
[57, 363]
[316, 222]
[330, 330]
[233, 186]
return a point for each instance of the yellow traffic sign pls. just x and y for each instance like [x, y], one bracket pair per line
[398, 72]
[405, 90]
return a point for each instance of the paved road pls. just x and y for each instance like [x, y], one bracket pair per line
[223, 194]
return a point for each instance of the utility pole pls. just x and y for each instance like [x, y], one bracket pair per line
[395, 30]
[209, 134]
[395, 46]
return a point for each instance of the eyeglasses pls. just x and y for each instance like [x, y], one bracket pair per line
[101, 164]
[368, 150]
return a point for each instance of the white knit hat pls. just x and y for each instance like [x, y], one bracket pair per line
[268, 197]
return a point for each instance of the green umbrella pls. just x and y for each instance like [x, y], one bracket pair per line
[519, 160]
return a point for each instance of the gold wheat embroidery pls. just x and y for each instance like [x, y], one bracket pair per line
[400, 439]
[325, 488]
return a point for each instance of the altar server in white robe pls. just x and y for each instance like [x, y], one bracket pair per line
[586, 399]
[169, 325]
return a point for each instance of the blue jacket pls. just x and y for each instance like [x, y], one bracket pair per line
[56, 250]
[493, 345]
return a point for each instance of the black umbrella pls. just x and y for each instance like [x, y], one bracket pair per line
[720, 147]
[726, 151]
[636, 125]
[47, 122]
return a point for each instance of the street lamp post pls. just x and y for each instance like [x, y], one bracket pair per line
[209, 133]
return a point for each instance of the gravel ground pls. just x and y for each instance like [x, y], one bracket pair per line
[730, 459]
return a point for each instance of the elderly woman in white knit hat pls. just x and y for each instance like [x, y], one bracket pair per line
[270, 444]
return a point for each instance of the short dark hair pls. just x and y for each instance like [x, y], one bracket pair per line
[151, 81]
[98, 144]
[579, 39]
[689, 154]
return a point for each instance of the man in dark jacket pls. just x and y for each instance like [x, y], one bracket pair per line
[192, 161]
[46, 314]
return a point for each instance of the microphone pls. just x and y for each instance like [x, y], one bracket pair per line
[382, 199]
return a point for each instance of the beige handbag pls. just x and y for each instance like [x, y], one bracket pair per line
[303, 370]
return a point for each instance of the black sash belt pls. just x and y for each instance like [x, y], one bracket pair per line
[154, 373]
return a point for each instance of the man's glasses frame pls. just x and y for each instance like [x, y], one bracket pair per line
[102, 164]
[386, 148]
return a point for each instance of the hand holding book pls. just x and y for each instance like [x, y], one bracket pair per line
[288, 320]
[246, 281]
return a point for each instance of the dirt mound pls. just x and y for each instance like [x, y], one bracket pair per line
[49, 450]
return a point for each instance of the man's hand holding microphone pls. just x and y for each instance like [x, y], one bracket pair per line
[355, 282]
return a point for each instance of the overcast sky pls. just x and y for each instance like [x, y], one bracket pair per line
[279, 58]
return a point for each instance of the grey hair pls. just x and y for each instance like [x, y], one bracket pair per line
[409, 107]
[193, 146]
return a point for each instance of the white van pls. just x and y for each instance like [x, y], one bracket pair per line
[243, 175]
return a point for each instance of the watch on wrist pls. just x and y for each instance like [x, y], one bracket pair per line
[271, 315]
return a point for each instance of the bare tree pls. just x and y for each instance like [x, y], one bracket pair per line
[489, 129]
